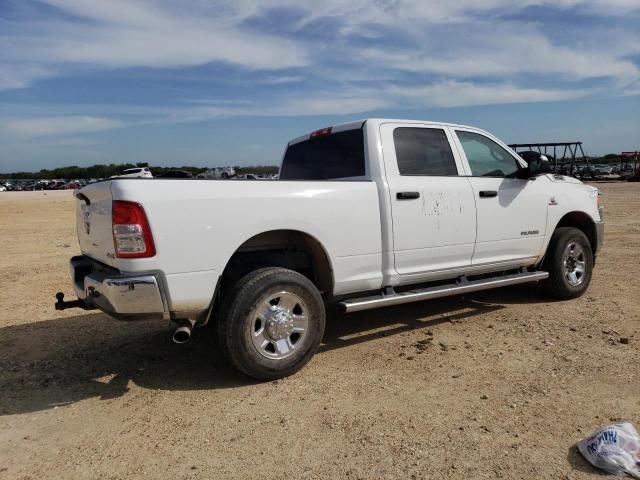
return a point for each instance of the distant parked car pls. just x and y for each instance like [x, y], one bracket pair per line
[143, 172]
[607, 169]
[57, 185]
[247, 176]
[587, 172]
[218, 173]
[72, 185]
[175, 174]
[602, 170]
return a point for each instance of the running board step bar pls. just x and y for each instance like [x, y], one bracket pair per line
[375, 301]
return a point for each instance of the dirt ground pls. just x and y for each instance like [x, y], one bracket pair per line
[508, 383]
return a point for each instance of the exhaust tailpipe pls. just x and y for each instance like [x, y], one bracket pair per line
[182, 333]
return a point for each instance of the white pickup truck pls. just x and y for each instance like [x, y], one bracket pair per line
[365, 214]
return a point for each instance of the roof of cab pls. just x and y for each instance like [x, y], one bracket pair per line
[378, 121]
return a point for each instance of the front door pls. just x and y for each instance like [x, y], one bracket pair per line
[433, 209]
[512, 211]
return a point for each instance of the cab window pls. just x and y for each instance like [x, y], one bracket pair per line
[336, 156]
[423, 151]
[486, 158]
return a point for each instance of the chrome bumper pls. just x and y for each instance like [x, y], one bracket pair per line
[120, 295]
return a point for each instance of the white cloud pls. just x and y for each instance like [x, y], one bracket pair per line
[121, 34]
[360, 101]
[42, 126]
[351, 102]
[631, 89]
[183, 45]
[458, 52]
[332, 103]
[281, 79]
[457, 94]
[19, 75]
[134, 33]
[485, 53]
[329, 103]
[365, 12]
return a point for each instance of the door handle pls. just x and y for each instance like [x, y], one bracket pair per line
[407, 195]
[488, 193]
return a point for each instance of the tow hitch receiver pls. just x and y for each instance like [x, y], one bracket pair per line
[61, 304]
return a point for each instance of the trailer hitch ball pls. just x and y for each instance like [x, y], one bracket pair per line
[61, 304]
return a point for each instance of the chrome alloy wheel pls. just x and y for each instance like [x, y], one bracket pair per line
[279, 322]
[573, 264]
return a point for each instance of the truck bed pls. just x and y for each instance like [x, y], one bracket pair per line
[197, 225]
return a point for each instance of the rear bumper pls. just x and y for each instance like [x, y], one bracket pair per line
[123, 296]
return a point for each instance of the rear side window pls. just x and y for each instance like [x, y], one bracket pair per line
[423, 151]
[335, 156]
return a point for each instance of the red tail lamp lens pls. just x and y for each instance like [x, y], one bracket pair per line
[132, 236]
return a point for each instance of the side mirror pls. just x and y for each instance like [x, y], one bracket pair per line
[539, 166]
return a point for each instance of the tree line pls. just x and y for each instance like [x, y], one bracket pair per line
[105, 171]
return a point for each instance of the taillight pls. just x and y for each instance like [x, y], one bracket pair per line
[131, 232]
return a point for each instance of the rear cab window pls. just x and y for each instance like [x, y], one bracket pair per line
[336, 156]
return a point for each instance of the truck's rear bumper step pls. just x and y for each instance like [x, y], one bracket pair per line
[375, 301]
[125, 296]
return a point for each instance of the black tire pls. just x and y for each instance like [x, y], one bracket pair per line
[224, 176]
[240, 323]
[561, 284]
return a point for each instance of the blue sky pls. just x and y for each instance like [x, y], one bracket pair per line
[229, 82]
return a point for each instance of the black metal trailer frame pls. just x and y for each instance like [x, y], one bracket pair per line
[626, 158]
[567, 165]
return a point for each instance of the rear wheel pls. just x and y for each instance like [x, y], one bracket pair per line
[272, 323]
[569, 263]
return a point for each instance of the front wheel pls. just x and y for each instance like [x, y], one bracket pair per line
[569, 263]
[272, 323]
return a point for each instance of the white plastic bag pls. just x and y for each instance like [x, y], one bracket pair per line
[614, 449]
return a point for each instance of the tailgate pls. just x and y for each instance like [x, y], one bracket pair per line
[93, 222]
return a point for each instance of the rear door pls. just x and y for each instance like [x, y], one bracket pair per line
[512, 211]
[433, 209]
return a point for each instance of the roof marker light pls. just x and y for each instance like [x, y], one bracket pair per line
[323, 132]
